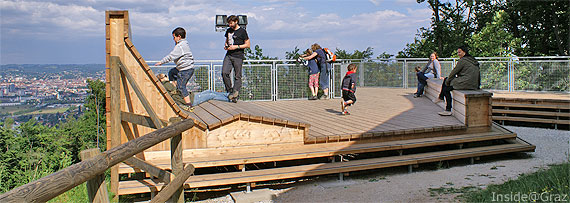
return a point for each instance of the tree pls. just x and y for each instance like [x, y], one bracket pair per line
[365, 54]
[257, 54]
[494, 39]
[292, 54]
[538, 24]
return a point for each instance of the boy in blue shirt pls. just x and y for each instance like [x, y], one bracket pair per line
[348, 89]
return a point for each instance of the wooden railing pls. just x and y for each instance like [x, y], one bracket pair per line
[59, 182]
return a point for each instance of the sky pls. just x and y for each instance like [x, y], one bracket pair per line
[73, 31]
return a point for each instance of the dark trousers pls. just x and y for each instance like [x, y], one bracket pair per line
[446, 92]
[235, 63]
[422, 83]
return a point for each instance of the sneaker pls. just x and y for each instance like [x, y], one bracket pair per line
[234, 100]
[324, 96]
[187, 108]
[313, 98]
[342, 106]
[444, 113]
[416, 96]
[233, 95]
[345, 113]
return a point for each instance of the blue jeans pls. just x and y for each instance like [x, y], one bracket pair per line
[422, 83]
[324, 78]
[182, 79]
[209, 95]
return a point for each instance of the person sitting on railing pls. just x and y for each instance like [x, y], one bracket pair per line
[313, 72]
[431, 70]
[465, 76]
[182, 56]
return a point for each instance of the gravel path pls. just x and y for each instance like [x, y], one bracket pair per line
[431, 183]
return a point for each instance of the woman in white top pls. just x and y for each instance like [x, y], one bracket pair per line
[431, 70]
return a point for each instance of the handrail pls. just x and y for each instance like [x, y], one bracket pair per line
[59, 182]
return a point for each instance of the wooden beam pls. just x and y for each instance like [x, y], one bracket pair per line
[149, 168]
[174, 186]
[59, 182]
[176, 162]
[140, 120]
[139, 94]
[96, 187]
[115, 117]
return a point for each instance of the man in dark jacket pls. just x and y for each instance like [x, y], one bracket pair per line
[465, 76]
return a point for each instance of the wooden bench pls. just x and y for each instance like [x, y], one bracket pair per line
[471, 107]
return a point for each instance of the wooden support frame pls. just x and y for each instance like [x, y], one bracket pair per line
[149, 168]
[140, 120]
[139, 93]
[175, 185]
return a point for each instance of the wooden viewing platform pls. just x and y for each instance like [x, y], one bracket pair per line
[383, 119]
[249, 142]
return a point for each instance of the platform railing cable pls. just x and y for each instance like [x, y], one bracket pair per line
[50, 186]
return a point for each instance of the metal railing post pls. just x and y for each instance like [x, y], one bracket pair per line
[404, 75]
[274, 81]
[211, 73]
[511, 76]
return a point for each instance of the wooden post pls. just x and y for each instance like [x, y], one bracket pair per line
[115, 118]
[170, 189]
[176, 162]
[96, 187]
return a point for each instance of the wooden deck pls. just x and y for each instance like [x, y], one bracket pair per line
[532, 95]
[377, 112]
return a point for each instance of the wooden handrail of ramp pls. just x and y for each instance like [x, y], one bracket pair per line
[59, 182]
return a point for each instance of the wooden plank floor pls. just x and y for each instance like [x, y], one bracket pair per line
[377, 112]
[562, 96]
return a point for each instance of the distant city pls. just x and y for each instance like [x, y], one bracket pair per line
[30, 90]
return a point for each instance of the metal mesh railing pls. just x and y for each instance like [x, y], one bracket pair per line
[292, 81]
[541, 75]
[278, 80]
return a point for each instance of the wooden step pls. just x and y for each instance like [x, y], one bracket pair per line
[532, 120]
[248, 155]
[148, 185]
[531, 112]
[532, 106]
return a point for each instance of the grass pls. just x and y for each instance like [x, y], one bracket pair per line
[48, 111]
[7, 110]
[548, 185]
[76, 194]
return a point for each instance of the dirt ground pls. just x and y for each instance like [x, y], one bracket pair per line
[435, 182]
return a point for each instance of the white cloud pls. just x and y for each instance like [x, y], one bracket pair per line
[376, 2]
[45, 17]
